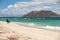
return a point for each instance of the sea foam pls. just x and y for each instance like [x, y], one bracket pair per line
[41, 26]
[52, 27]
[46, 27]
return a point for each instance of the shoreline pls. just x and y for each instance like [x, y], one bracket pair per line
[31, 25]
[29, 32]
[52, 28]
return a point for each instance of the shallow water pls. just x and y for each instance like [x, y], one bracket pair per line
[43, 21]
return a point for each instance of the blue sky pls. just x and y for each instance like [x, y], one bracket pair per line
[5, 3]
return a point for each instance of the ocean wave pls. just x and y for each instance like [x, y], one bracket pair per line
[31, 24]
[46, 27]
[41, 26]
[52, 27]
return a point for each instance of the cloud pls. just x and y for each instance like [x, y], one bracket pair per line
[46, 1]
[21, 8]
[10, 6]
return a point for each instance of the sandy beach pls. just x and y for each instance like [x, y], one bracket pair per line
[14, 31]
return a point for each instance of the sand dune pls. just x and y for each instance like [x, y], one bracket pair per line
[13, 31]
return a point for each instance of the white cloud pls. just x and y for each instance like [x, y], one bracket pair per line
[21, 8]
[47, 7]
[15, 5]
[10, 6]
[46, 1]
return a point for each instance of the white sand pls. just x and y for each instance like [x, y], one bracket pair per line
[27, 33]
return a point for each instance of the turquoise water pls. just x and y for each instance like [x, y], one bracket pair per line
[50, 21]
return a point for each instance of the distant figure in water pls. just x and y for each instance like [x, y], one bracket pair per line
[7, 21]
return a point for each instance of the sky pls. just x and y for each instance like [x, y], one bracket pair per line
[5, 3]
[19, 8]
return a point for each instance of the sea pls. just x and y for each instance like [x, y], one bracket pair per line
[41, 21]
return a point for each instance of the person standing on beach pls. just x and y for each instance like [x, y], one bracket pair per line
[7, 21]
